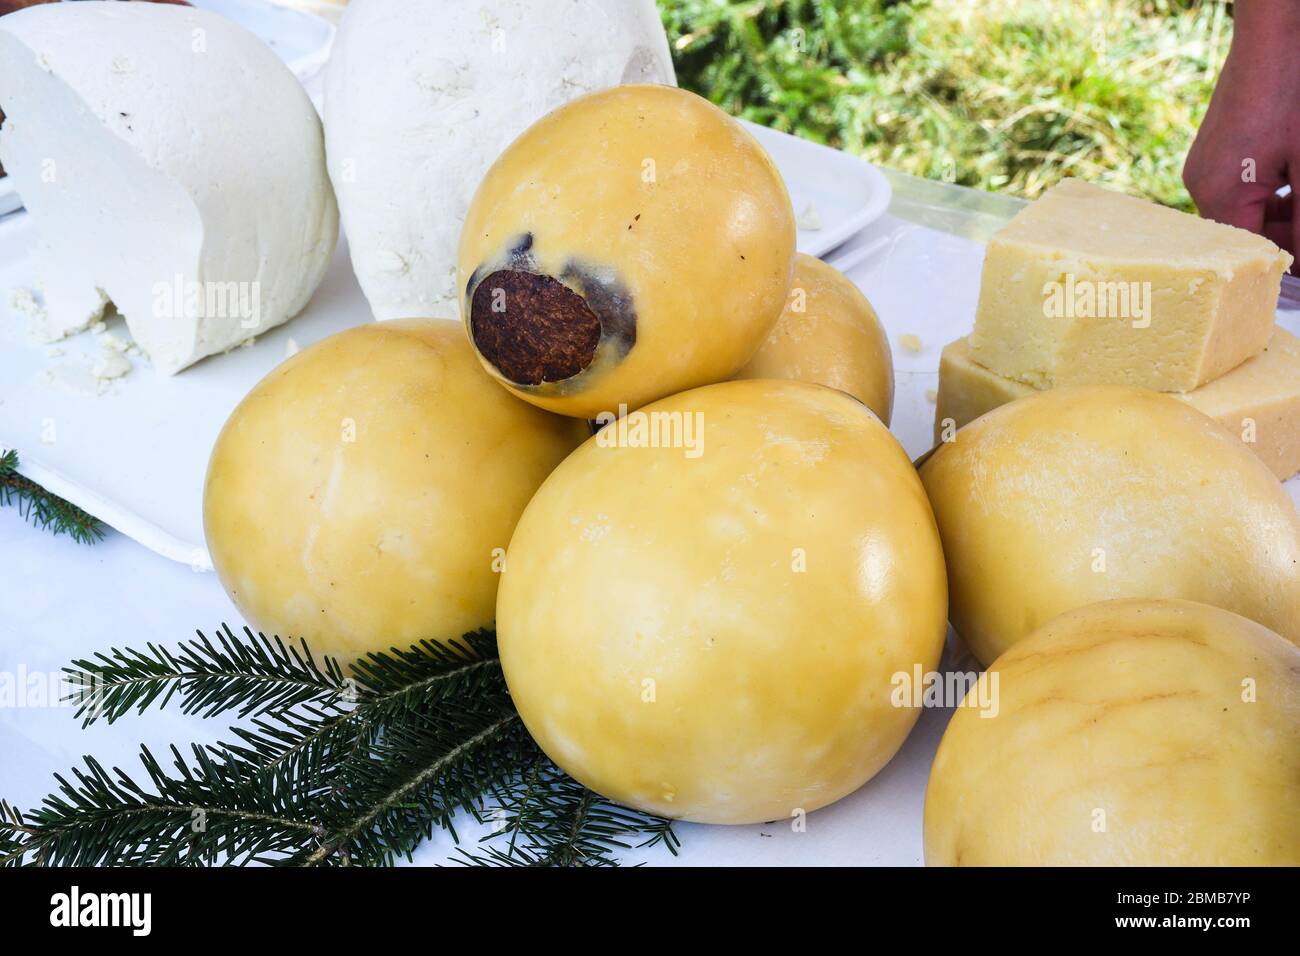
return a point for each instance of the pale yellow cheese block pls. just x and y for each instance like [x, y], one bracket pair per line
[1089, 287]
[1259, 401]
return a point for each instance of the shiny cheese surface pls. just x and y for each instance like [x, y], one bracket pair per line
[660, 210]
[1259, 400]
[829, 335]
[1128, 733]
[356, 495]
[713, 637]
[1082, 494]
[1210, 292]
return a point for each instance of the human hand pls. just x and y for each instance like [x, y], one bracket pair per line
[1248, 146]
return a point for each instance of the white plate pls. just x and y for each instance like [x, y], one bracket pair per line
[135, 457]
[302, 40]
[844, 192]
[9, 200]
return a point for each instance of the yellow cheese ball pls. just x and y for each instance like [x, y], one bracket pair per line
[709, 631]
[633, 243]
[1126, 733]
[1084, 494]
[829, 335]
[356, 495]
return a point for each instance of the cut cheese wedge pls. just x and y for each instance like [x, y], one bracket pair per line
[1259, 401]
[1088, 287]
[171, 163]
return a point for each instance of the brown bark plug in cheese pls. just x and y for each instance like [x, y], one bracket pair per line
[632, 244]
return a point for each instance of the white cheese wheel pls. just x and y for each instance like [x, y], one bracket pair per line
[421, 96]
[170, 159]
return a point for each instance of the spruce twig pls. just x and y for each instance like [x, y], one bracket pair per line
[546, 818]
[44, 510]
[255, 676]
[13, 835]
[203, 813]
[334, 769]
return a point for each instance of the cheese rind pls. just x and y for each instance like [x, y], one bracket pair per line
[1087, 286]
[171, 162]
[830, 335]
[1259, 401]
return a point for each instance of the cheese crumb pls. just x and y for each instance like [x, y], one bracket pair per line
[24, 302]
[810, 219]
[911, 342]
[108, 342]
[109, 365]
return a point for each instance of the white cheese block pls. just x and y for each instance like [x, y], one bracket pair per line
[170, 160]
[421, 96]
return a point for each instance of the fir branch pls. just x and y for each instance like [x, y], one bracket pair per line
[13, 836]
[301, 745]
[256, 676]
[203, 813]
[419, 774]
[546, 818]
[44, 510]
[429, 671]
[333, 769]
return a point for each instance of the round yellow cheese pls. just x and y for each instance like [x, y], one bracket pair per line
[633, 243]
[1083, 494]
[707, 628]
[1126, 733]
[829, 335]
[363, 494]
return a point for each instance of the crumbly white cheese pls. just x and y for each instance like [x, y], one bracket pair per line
[810, 219]
[70, 299]
[91, 375]
[110, 365]
[172, 164]
[421, 96]
[24, 302]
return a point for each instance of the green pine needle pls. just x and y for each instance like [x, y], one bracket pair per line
[332, 769]
[546, 818]
[44, 510]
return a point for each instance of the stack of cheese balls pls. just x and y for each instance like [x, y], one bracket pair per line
[701, 609]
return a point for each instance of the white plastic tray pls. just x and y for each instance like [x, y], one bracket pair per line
[135, 457]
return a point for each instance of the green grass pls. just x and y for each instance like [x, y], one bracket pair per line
[999, 95]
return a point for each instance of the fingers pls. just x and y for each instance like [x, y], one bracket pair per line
[1228, 200]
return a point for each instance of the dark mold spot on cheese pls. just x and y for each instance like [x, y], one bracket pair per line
[608, 298]
[532, 328]
[523, 246]
[518, 256]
